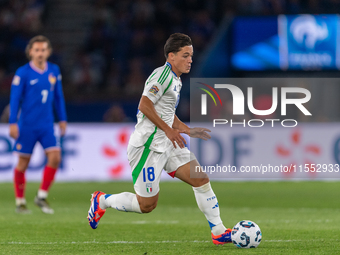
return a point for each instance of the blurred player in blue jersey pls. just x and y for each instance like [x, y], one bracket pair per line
[36, 87]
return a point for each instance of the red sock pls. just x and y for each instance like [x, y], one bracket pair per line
[19, 183]
[48, 177]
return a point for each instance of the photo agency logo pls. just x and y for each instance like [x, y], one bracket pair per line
[289, 96]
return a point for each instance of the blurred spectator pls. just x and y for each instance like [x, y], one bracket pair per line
[294, 6]
[5, 115]
[135, 79]
[115, 114]
[113, 80]
[143, 12]
[86, 76]
[5, 82]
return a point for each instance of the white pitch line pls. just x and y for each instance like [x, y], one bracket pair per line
[141, 222]
[311, 240]
[111, 242]
[147, 242]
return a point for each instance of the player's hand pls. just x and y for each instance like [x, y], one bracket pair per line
[174, 135]
[198, 132]
[14, 131]
[62, 127]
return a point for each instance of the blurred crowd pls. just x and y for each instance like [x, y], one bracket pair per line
[125, 41]
[19, 21]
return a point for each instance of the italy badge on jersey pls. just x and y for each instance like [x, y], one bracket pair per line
[149, 187]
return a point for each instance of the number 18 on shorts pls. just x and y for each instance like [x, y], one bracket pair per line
[147, 166]
[148, 176]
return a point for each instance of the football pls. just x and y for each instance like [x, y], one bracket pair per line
[246, 234]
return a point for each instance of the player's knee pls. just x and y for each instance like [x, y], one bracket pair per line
[54, 163]
[21, 168]
[22, 164]
[54, 160]
[201, 181]
[147, 208]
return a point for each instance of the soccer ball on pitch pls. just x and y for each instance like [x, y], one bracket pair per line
[246, 234]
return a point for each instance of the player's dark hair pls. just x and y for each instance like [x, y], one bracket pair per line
[176, 42]
[38, 38]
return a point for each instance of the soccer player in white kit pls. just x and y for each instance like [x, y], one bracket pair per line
[157, 144]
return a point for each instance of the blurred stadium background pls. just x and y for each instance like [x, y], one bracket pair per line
[107, 48]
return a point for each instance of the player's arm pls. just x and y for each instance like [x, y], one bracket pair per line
[178, 124]
[146, 106]
[17, 89]
[196, 132]
[59, 104]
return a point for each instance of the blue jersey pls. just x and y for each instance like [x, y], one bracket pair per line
[36, 91]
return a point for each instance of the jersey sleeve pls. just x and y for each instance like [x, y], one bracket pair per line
[59, 101]
[157, 85]
[17, 90]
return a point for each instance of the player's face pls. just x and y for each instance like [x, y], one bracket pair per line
[39, 52]
[182, 60]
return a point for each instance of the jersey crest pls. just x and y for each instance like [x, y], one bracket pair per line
[52, 79]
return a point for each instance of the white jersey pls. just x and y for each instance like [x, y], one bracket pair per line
[163, 89]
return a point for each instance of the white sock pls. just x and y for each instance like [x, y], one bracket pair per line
[125, 201]
[42, 194]
[20, 201]
[208, 204]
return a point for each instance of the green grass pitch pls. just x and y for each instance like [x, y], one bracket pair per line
[295, 218]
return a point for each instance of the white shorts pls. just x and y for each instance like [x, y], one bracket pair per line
[147, 166]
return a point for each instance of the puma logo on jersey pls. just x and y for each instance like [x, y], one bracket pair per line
[32, 82]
